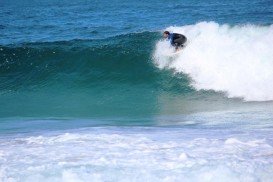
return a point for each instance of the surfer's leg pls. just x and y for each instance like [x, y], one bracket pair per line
[177, 43]
[180, 42]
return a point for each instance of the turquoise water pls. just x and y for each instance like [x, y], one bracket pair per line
[90, 91]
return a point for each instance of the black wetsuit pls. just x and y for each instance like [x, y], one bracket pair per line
[177, 40]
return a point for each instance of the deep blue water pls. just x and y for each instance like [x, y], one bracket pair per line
[52, 20]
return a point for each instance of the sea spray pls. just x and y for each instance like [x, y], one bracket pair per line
[236, 60]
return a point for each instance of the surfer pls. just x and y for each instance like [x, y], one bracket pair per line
[176, 40]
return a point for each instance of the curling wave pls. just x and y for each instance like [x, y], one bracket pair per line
[237, 60]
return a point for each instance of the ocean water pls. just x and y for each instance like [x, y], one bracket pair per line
[89, 91]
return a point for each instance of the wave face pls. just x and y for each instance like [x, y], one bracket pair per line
[80, 63]
[86, 78]
[237, 60]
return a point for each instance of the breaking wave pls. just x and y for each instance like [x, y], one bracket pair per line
[237, 60]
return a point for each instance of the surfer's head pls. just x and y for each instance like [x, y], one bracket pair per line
[166, 34]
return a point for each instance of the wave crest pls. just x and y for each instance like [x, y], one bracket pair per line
[236, 60]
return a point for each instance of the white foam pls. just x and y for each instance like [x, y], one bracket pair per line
[236, 60]
[137, 154]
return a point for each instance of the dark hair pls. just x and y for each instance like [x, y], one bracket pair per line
[167, 32]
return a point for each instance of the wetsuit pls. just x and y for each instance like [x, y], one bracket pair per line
[177, 40]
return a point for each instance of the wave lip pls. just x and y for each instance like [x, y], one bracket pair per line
[237, 60]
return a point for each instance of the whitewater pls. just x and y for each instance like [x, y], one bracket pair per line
[225, 146]
[236, 60]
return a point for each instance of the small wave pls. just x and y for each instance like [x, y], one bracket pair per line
[237, 60]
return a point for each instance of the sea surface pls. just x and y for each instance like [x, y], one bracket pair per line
[89, 91]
